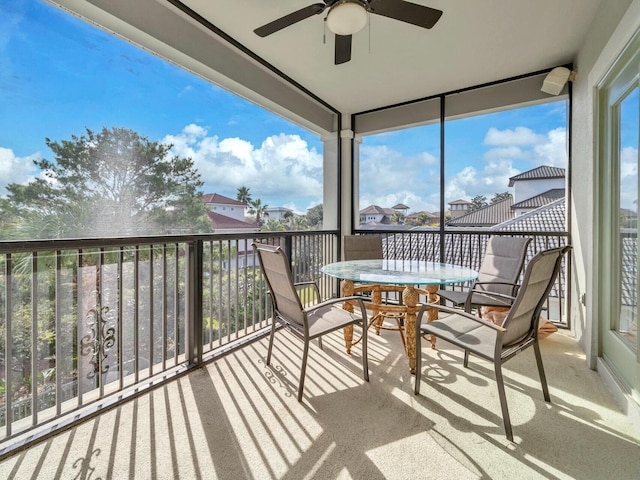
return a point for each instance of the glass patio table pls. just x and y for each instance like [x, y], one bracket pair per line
[413, 278]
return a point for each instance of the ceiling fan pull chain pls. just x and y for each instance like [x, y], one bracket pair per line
[324, 31]
[369, 22]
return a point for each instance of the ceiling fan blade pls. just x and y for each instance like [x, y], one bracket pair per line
[290, 19]
[408, 12]
[343, 49]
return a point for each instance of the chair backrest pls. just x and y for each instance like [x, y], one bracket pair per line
[275, 267]
[522, 320]
[362, 247]
[503, 262]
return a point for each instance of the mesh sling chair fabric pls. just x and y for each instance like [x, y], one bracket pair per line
[499, 343]
[369, 247]
[363, 247]
[308, 322]
[498, 276]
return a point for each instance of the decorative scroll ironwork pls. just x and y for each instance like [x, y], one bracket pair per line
[100, 338]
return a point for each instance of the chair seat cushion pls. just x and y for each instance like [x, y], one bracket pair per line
[464, 332]
[327, 318]
[454, 296]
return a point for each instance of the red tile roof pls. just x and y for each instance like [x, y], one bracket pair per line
[216, 198]
[220, 222]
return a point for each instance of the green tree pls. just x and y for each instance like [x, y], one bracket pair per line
[258, 210]
[297, 222]
[423, 219]
[397, 218]
[499, 197]
[478, 202]
[273, 226]
[243, 195]
[111, 183]
[314, 216]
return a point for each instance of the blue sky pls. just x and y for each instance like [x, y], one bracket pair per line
[59, 75]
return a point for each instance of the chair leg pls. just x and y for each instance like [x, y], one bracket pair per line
[320, 343]
[273, 332]
[543, 378]
[365, 354]
[303, 369]
[418, 374]
[503, 401]
[466, 359]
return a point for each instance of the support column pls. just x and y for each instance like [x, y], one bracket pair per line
[330, 187]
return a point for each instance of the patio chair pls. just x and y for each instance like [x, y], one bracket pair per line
[369, 247]
[306, 322]
[499, 343]
[363, 247]
[498, 275]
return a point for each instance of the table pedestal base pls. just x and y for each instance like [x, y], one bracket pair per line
[410, 297]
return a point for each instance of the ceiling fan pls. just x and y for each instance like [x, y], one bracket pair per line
[346, 17]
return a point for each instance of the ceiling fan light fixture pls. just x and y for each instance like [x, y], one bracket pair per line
[347, 17]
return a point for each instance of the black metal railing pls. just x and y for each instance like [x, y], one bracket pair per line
[83, 322]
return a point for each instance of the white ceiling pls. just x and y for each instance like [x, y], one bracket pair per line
[474, 42]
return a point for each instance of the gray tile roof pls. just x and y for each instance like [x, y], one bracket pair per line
[467, 247]
[485, 217]
[548, 218]
[538, 173]
[540, 200]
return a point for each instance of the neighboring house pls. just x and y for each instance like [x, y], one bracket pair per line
[278, 213]
[537, 201]
[432, 218]
[400, 208]
[225, 206]
[547, 218]
[536, 182]
[459, 207]
[485, 217]
[374, 214]
[227, 215]
[224, 224]
[532, 189]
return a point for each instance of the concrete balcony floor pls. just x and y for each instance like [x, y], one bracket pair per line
[236, 418]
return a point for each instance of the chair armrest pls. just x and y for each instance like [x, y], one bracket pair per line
[512, 284]
[498, 296]
[456, 311]
[332, 301]
[312, 284]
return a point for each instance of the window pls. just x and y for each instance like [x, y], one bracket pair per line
[62, 76]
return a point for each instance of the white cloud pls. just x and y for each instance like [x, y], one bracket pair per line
[518, 136]
[15, 169]
[388, 178]
[470, 182]
[553, 151]
[282, 167]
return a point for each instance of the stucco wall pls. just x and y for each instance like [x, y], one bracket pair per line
[613, 26]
